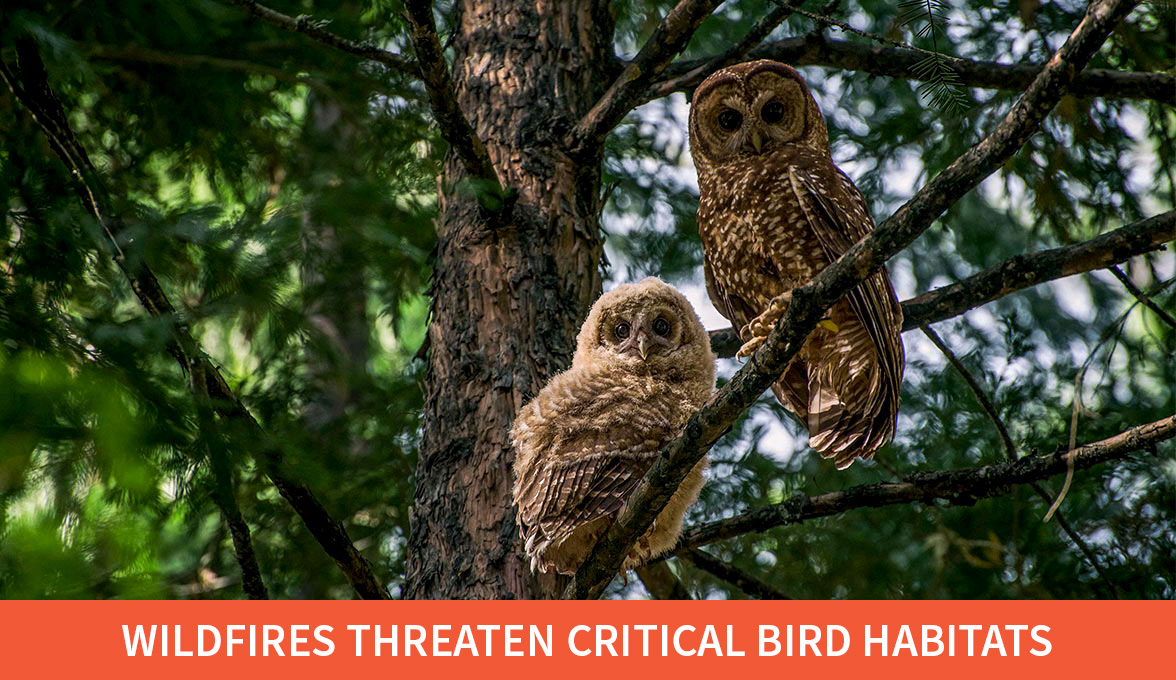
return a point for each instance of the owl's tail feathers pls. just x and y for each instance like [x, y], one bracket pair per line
[837, 429]
[857, 435]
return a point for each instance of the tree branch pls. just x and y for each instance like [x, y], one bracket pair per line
[750, 585]
[895, 62]
[1024, 271]
[29, 84]
[1015, 274]
[1143, 298]
[1011, 452]
[810, 302]
[830, 22]
[453, 124]
[429, 66]
[668, 39]
[986, 404]
[1078, 541]
[314, 29]
[956, 487]
[737, 52]
[223, 493]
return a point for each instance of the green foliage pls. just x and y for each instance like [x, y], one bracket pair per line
[283, 193]
[261, 187]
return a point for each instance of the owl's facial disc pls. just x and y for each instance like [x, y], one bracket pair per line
[749, 111]
[647, 335]
[778, 107]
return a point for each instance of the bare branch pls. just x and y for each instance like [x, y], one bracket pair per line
[453, 124]
[1079, 542]
[668, 39]
[429, 66]
[956, 487]
[896, 62]
[836, 23]
[223, 493]
[977, 391]
[314, 29]
[810, 302]
[1024, 271]
[750, 585]
[30, 86]
[1143, 298]
[1015, 274]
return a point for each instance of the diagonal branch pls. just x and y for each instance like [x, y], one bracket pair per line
[429, 66]
[978, 392]
[897, 62]
[1015, 274]
[810, 302]
[223, 493]
[668, 39]
[29, 84]
[749, 584]
[956, 487]
[828, 21]
[315, 30]
[439, 85]
[1143, 298]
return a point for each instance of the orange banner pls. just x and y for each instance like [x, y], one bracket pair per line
[204, 639]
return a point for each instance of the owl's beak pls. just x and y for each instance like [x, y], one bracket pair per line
[643, 344]
[757, 140]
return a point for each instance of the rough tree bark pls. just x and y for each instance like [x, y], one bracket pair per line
[509, 289]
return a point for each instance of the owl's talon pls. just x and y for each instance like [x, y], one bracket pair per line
[758, 328]
[750, 347]
[766, 321]
[778, 305]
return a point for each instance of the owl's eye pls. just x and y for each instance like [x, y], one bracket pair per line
[621, 330]
[661, 327]
[772, 112]
[730, 120]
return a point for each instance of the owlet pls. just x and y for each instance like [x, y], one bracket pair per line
[642, 366]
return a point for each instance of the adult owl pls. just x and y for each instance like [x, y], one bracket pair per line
[642, 365]
[773, 212]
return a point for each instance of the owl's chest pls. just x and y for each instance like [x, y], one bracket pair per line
[755, 232]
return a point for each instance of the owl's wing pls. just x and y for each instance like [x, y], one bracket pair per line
[589, 478]
[840, 218]
[732, 306]
[714, 290]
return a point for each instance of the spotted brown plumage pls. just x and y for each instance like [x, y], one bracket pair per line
[585, 441]
[773, 212]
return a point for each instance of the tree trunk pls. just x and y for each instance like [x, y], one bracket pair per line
[507, 300]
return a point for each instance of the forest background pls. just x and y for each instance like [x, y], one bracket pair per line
[274, 278]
